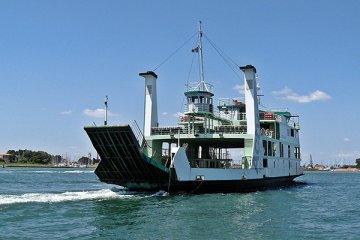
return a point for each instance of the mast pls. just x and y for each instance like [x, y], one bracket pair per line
[202, 78]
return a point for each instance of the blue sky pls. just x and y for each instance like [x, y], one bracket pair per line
[58, 60]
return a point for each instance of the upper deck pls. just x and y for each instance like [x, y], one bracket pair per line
[223, 122]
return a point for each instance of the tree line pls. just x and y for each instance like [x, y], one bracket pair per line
[28, 156]
[40, 157]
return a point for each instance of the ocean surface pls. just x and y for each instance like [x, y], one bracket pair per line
[38, 203]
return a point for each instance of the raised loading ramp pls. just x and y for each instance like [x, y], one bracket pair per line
[122, 162]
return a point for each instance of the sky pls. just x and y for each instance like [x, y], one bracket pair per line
[59, 59]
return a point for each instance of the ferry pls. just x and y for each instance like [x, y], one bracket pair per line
[231, 146]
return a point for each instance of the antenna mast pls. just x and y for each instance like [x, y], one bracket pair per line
[202, 78]
[106, 110]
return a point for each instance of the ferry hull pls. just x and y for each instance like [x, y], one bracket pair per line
[217, 186]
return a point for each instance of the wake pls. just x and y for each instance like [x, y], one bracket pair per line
[102, 194]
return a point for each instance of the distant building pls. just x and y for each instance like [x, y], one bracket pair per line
[5, 156]
[319, 167]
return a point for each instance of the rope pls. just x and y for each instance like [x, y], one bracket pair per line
[198, 186]
[172, 54]
[169, 180]
[228, 61]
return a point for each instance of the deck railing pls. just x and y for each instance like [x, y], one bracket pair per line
[173, 131]
[199, 86]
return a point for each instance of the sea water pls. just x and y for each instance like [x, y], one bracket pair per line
[38, 203]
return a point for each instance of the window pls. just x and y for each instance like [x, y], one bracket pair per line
[274, 149]
[265, 163]
[199, 153]
[299, 155]
[165, 149]
[281, 150]
[270, 148]
[297, 152]
[265, 147]
[289, 151]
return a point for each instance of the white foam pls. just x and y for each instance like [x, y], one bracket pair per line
[79, 171]
[40, 171]
[52, 171]
[62, 197]
[160, 193]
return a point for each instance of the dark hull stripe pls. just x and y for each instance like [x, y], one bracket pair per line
[217, 186]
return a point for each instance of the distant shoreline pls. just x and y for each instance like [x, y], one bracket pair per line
[30, 165]
[347, 170]
[34, 165]
[334, 170]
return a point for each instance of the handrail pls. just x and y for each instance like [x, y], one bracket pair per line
[138, 134]
[199, 86]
